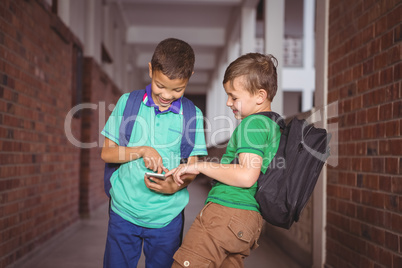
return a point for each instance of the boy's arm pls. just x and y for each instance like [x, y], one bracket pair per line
[113, 153]
[169, 186]
[244, 174]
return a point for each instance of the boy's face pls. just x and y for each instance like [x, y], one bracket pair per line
[165, 90]
[241, 101]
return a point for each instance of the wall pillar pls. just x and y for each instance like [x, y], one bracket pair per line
[321, 84]
[274, 28]
[248, 30]
[308, 51]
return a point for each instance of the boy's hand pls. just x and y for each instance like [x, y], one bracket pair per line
[167, 186]
[152, 159]
[181, 172]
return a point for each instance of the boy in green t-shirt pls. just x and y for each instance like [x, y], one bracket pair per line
[147, 213]
[230, 223]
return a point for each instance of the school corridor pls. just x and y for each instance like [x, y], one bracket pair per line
[82, 245]
[65, 63]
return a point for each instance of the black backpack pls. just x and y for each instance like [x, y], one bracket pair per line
[289, 181]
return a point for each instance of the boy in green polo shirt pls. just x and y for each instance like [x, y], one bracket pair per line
[230, 223]
[144, 214]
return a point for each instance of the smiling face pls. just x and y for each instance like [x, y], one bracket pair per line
[165, 90]
[241, 101]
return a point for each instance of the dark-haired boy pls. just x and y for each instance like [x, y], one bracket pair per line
[145, 214]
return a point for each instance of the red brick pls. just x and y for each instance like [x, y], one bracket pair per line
[385, 258]
[347, 209]
[385, 183]
[356, 133]
[391, 165]
[391, 203]
[380, 61]
[373, 251]
[381, 26]
[373, 199]
[368, 67]
[386, 76]
[372, 148]
[345, 105]
[400, 128]
[378, 165]
[374, 80]
[387, 42]
[371, 215]
[348, 179]
[371, 181]
[366, 164]
[372, 114]
[396, 260]
[357, 103]
[396, 184]
[362, 85]
[397, 108]
[396, 222]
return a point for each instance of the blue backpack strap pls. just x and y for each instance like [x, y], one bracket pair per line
[130, 115]
[126, 127]
[189, 128]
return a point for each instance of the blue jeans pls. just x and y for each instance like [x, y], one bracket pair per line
[125, 240]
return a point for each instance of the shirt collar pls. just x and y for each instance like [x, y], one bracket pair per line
[148, 101]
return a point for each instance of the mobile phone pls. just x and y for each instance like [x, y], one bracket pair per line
[155, 175]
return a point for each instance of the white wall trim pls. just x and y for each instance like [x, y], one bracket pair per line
[320, 194]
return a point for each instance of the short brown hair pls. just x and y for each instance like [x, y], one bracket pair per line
[174, 58]
[259, 71]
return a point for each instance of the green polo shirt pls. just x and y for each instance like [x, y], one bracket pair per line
[131, 199]
[256, 134]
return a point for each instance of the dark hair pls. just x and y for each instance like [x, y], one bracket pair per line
[174, 58]
[259, 71]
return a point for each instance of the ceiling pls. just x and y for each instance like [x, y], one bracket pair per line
[203, 24]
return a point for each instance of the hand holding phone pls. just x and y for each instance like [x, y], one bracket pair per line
[155, 175]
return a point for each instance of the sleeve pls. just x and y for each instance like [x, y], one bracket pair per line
[200, 148]
[253, 135]
[112, 126]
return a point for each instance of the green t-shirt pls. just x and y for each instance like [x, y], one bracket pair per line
[131, 199]
[256, 134]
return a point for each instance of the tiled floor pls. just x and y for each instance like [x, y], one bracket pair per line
[82, 246]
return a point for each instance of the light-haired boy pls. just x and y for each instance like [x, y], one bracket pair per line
[230, 223]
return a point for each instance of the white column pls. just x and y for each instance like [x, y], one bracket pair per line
[63, 10]
[117, 51]
[220, 119]
[308, 52]
[319, 195]
[248, 29]
[90, 28]
[273, 34]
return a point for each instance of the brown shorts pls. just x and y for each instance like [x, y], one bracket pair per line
[219, 237]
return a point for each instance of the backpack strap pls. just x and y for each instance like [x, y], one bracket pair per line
[126, 127]
[189, 122]
[129, 116]
[189, 129]
[276, 118]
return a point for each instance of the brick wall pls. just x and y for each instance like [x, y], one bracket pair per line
[364, 206]
[101, 92]
[46, 182]
[39, 172]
